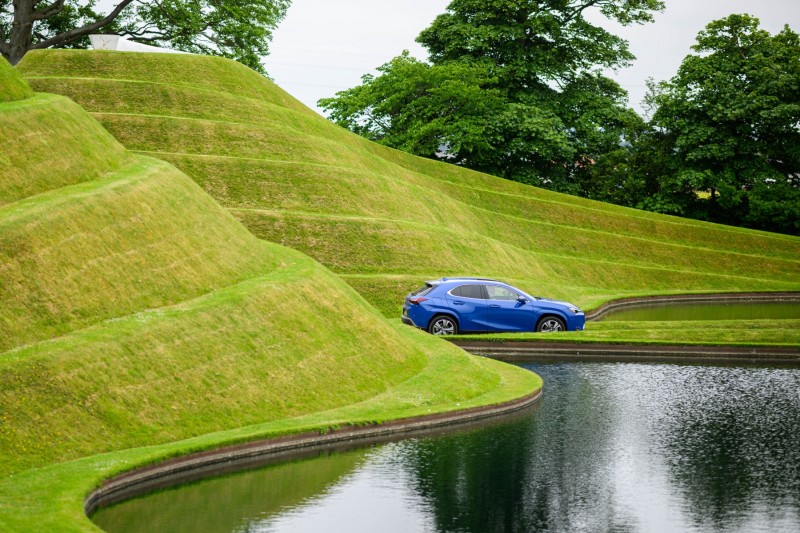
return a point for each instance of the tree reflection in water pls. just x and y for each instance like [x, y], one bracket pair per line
[626, 448]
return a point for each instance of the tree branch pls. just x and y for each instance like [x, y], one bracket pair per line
[146, 29]
[213, 39]
[69, 36]
[578, 10]
[48, 11]
[155, 36]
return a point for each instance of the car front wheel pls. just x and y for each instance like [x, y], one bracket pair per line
[443, 325]
[549, 324]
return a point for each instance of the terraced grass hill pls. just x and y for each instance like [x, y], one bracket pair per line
[385, 220]
[135, 311]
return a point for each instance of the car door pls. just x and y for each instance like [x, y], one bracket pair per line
[469, 303]
[505, 312]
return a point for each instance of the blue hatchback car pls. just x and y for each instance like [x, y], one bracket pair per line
[449, 306]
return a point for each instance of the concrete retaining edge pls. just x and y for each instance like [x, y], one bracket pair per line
[265, 451]
[521, 351]
[537, 351]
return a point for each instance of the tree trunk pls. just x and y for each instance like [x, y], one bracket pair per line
[20, 39]
[21, 35]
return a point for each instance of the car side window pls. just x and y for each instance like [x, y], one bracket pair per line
[468, 291]
[501, 293]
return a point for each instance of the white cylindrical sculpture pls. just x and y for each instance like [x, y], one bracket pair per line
[115, 42]
[104, 42]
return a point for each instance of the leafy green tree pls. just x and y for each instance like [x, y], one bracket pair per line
[513, 88]
[238, 29]
[533, 43]
[730, 120]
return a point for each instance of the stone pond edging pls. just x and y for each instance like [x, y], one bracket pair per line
[532, 351]
[266, 451]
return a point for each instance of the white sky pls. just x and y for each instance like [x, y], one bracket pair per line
[324, 46]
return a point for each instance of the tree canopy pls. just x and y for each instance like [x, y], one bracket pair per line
[513, 88]
[516, 88]
[238, 29]
[730, 120]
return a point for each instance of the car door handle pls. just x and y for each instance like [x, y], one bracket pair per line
[494, 305]
[458, 303]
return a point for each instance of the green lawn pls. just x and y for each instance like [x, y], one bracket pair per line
[384, 220]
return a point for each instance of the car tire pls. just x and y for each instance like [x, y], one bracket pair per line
[550, 324]
[443, 325]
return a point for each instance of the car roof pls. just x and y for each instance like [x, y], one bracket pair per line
[447, 280]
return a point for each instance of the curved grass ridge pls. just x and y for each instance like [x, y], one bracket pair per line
[12, 86]
[35, 160]
[139, 319]
[141, 238]
[52, 498]
[385, 220]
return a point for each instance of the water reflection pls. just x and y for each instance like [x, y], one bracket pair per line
[234, 502]
[612, 447]
[736, 459]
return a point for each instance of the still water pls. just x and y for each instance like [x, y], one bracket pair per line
[708, 311]
[610, 447]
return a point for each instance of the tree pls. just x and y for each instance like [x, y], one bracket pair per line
[730, 120]
[512, 88]
[238, 29]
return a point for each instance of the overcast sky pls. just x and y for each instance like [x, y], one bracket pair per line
[325, 46]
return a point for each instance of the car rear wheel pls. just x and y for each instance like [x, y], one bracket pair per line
[551, 323]
[443, 325]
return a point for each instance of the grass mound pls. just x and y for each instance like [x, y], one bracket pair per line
[385, 220]
[12, 86]
[50, 144]
[137, 312]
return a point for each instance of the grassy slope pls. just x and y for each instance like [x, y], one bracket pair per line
[135, 311]
[385, 220]
[12, 86]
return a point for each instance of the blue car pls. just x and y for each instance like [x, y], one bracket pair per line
[449, 306]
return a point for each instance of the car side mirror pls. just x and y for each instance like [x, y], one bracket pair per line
[522, 300]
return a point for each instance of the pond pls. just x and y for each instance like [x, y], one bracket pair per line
[707, 311]
[609, 447]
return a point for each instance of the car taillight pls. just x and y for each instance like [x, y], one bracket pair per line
[417, 301]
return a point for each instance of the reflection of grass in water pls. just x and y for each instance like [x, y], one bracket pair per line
[708, 311]
[231, 502]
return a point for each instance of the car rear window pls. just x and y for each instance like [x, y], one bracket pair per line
[422, 291]
[468, 291]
